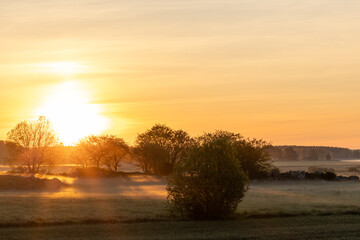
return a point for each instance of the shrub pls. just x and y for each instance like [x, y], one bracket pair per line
[254, 158]
[209, 183]
[252, 154]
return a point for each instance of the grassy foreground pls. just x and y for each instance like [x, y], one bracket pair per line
[136, 209]
[304, 227]
[114, 202]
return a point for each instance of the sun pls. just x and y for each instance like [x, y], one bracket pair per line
[73, 117]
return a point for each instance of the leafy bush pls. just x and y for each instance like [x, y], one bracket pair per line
[254, 158]
[252, 154]
[209, 183]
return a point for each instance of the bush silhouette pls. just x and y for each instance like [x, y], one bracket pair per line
[209, 183]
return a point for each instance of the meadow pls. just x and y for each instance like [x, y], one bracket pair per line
[303, 227]
[127, 201]
[135, 208]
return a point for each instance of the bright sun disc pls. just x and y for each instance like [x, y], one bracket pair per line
[73, 117]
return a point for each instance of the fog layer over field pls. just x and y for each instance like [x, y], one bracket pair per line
[143, 198]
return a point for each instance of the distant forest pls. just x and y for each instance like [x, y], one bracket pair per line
[2, 151]
[313, 153]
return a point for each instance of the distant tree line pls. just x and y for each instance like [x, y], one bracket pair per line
[313, 153]
[2, 152]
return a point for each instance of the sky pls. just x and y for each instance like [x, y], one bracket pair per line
[285, 71]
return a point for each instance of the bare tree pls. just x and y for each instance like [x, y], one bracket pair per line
[29, 144]
[81, 155]
[90, 151]
[116, 151]
[96, 151]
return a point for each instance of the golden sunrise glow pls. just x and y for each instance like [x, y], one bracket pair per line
[63, 68]
[284, 71]
[69, 109]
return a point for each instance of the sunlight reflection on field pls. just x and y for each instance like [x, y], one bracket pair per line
[135, 185]
[143, 197]
[130, 186]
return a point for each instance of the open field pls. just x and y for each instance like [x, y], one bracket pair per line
[144, 199]
[135, 208]
[305, 227]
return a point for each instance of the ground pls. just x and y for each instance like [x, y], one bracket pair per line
[303, 227]
[139, 198]
[135, 208]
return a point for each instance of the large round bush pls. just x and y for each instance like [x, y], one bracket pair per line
[209, 183]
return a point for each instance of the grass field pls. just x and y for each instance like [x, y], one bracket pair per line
[135, 208]
[113, 200]
[309, 227]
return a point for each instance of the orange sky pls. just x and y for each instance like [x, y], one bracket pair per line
[285, 71]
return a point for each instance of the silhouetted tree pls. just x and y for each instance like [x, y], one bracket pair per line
[151, 157]
[96, 151]
[81, 156]
[160, 148]
[30, 145]
[116, 152]
[90, 151]
[209, 183]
